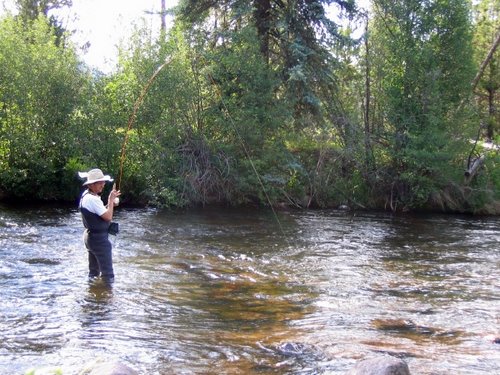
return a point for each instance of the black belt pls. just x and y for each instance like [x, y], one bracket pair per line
[96, 231]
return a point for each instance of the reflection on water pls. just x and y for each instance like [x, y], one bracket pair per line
[221, 291]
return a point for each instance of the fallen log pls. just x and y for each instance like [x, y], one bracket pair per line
[473, 167]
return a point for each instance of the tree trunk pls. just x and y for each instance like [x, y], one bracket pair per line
[491, 114]
[163, 27]
[473, 168]
[262, 20]
[486, 61]
[368, 148]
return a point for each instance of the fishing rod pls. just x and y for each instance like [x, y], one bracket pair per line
[132, 117]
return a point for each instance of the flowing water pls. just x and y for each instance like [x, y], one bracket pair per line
[221, 291]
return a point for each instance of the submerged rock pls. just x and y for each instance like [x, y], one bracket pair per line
[380, 366]
[402, 326]
[493, 339]
[292, 349]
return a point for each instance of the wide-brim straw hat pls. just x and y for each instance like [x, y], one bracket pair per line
[94, 175]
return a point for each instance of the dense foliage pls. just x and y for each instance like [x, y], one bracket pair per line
[420, 86]
[40, 88]
[265, 102]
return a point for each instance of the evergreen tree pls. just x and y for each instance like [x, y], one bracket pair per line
[295, 37]
[30, 10]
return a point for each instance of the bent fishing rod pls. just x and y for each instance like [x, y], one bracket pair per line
[132, 117]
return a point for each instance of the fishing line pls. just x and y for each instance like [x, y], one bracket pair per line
[247, 154]
[131, 119]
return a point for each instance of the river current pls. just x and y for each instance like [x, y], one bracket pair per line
[237, 291]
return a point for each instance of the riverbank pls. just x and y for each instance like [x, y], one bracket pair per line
[437, 207]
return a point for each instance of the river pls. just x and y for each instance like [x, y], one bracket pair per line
[237, 291]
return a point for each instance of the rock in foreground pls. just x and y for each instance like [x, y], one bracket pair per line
[112, 368]
[380, 366]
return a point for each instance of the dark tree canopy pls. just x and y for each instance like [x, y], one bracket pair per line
[31, 9]
[295, 37]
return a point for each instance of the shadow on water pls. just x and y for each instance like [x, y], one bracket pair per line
[99, 295]
[222, 291]
[96, 310]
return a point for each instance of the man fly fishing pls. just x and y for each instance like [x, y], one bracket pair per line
[97, 220]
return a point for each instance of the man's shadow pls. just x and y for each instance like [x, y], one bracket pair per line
[96, 307]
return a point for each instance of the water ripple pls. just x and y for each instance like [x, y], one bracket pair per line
[223, 291]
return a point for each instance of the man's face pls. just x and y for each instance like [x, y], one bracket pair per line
[97, 187]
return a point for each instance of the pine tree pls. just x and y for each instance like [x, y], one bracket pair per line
[295, 37]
